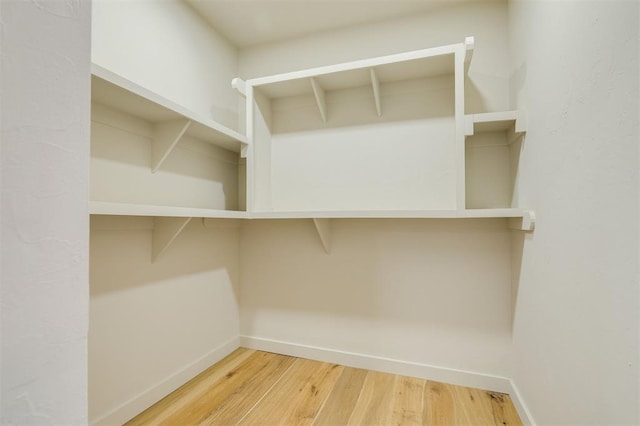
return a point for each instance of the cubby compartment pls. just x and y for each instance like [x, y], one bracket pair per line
[492, 154]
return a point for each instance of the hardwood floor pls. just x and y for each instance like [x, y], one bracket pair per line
[259, 388]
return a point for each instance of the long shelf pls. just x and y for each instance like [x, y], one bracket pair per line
[394, 214]
[373, 72]
[114, 91]
[124, 209]
[401, 66]
[170, 221]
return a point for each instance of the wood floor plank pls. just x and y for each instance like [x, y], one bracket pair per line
[185, 394]
[338, 407]
[475, 406]
[407, 405]
[249, 393]
[258, 388]
[372, 407]
[438, 405]
[297, 397]
[504, 412]
[215, 395]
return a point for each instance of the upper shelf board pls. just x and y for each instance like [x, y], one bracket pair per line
[402, 66]
[114, 91]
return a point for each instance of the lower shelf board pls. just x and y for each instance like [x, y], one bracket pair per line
[127, 209]
[255, 387]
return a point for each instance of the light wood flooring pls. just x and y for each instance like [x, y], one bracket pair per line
[259, 388]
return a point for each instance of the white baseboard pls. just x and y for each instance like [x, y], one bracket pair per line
[521, 407]
[393, 366]
[155, 393]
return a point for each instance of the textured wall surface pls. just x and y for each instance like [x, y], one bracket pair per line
[575, 68]
[45, 243]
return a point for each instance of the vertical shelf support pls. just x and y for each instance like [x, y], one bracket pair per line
[375, 84]
[469, 43]
[241, 86]
[318, 92]
[165, 231]
[323, 226]
[165, 138]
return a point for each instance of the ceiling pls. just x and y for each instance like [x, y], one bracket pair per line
[248, 23]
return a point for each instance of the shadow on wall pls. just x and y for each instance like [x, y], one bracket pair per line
[121, 253]
[518, 240]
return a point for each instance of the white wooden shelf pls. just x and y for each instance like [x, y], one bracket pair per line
[402, 66]
[367, 78]
[124, 209]
[495, 122]
[372, 72]
[171, 121]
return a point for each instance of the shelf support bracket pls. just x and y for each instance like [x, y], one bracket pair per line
[318, 92]
[375, 83]
[165, 138]
[526, 223]
[323, 226]
[165, 231]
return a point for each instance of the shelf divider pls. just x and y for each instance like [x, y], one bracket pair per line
[318, 92]
[375, 83]
[323, 226]
[165, 139]
[165, 231]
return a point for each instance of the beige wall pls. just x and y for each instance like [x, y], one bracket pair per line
[154, 325]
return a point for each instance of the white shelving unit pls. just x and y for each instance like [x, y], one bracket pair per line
[152, 157]
[328, 110]
[385, 137]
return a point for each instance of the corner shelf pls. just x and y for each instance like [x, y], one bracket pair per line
[171, 121]
[134, 128]
[168, 221]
